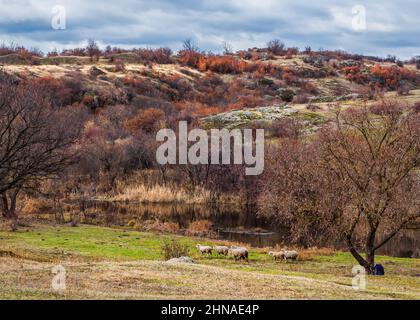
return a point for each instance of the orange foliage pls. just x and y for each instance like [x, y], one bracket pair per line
[246, 101]
[190, 58]
[223, 64]
[197, 109]
[389, 77]
[147, 120]
[354, 74]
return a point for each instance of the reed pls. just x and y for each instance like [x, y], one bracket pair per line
[161, 194]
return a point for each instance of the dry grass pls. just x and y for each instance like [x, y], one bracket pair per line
[161, 194]
[158, 226]
[32, 205]
[199, 228]
[159, 280]
[105, 263]
[311, 254]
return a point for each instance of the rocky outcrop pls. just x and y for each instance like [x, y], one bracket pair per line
[236, 118]
[94, 72]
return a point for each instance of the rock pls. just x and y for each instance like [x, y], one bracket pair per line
[187, 260]
[94, 72]
[352, 96]
[323, 99]
[244, 116]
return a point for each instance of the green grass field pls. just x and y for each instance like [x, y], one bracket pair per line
[115, 263]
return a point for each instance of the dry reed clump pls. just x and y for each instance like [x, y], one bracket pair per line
[199, 228]
[6, 225]
[158, 226]
[132, 223]
[161, 194]
[310, 254]
[35, 205]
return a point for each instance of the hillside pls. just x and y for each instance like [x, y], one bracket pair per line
[81, 184]
[196, 85]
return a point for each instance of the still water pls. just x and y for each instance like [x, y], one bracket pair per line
[227, 223]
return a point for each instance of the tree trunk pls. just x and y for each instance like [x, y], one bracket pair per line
[9, 204]
[370, 248]
[363, 262]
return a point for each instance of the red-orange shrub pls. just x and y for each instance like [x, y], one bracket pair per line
[147, 120]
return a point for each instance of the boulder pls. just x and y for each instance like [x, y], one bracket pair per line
[94, 72]
[187, 260]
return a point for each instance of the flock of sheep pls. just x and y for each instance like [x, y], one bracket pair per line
[240, 253]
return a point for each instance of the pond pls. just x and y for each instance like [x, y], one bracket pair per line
[227, 223]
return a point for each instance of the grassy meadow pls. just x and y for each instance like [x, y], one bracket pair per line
[115, 263]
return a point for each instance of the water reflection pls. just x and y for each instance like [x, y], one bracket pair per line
[227, 223]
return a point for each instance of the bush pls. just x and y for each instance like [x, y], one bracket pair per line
[190, 58]
[159, 55]
[287, 128]
[300, 99]
[147, 120]
[221, 64]
[174, 249]
[391, 77]
[287, 95]
[276, 47]
[119, 66]
[417, 107]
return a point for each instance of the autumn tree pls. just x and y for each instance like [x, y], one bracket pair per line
[357, 183]
[190, 54]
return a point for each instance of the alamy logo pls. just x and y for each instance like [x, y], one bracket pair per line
[177, 151]
[58, 21]
[359, 278]
[359, 18]
[58, 283]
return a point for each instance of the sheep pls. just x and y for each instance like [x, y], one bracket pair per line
[276, 255]
[416, 254]
[221, 250]
[290, 255]
[239, 253]
[204, 249]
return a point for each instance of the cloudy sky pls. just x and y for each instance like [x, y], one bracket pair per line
[390, 27]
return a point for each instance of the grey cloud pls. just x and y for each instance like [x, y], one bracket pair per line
[392, 26]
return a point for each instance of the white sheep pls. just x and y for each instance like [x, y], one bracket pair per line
[204, 249]
[221, 250]
[276, 255]
[290, 255]
[239, 253]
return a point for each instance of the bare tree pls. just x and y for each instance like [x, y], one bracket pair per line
[358, 182]
[276, 47]
[93, 50]
[35, 140]
[227, 48]
[190, 46]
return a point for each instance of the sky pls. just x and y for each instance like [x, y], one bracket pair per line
[368, 27]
